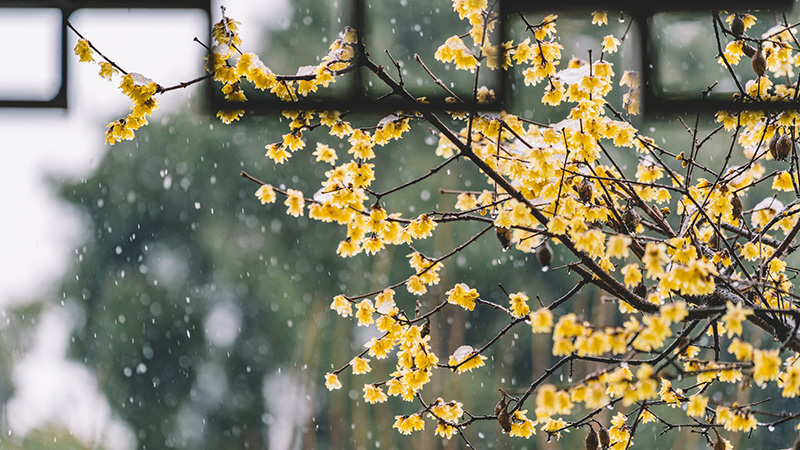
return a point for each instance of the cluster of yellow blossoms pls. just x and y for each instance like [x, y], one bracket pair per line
[137, 87]
[562, 187]
[229, 65]
[557, 169]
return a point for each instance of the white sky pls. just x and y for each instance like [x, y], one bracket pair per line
[39, 234]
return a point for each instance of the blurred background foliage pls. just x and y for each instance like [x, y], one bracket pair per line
[205, 315]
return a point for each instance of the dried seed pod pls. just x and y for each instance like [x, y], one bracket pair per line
[426, 328]
[759, 63]
[503, 417]
[631, 219]
[504, 236]
[783, 148]
[737, 26]
[748, 50]
[640, 290]
[500, 405]
[544, 254]
[585, 190]
[592, 443]
[605, 439]
[736, 203]
[720, 444]
[773, 145]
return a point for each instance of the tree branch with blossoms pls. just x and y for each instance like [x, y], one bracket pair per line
[673, 256]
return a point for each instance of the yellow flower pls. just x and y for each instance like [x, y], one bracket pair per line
[750, 251]
[364, 313]
[674, 312]
[541, 320]
[454, 50]
[373, 394]
[416, 286]
[521, 425]
[342, 306]
[295, 203]
[332, 381]
[782, 182]
[325, 153]
[766, 364]
[776, 267]
[519, 304]
[422, 227]
[632, 274]
[384, 298]
[380, 348]
[462, 295]
[408, 424]
[610, 44]
[557, 225]
[277, 153]
[450, 411]
[618, 246]
[790, 380]
[733, 318]
[107, 70]
[655, 257]
[648, 417]
[230, 115]
[742, 350]
[697, 406]
[599, 18]
[466, 353]
[266, 194]
[360, 365]
[293, 141]
[83, 51]
[444, 430]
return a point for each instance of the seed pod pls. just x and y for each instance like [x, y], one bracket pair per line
[504, 236]
[759, 63]
[640, 290]
[585, 190]
[783, 148]
[773, 145]
[500, 405]
[748, 50]
[736, 203]
[544, 254]
[426, 328]
[737, 26]
[605, 439]
[592, 442]
[631, 219]
[503, 417]
[720, 444]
